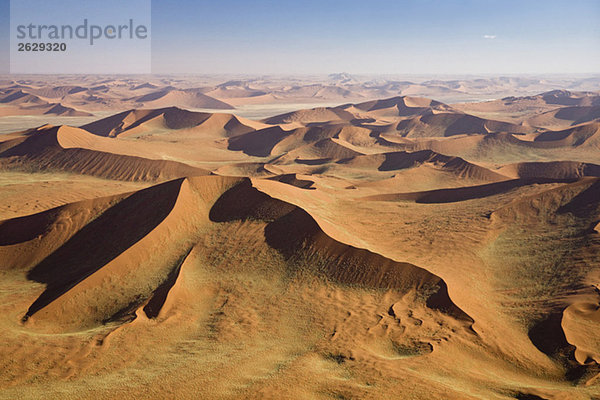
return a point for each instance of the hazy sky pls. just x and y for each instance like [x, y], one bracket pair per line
[366, 36]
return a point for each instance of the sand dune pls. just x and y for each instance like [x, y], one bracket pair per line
[303, 143]
[43, 109]
[234, 89]
[20, 97]
[579, 322]
[566, 116]
[42, 150]
[137, 122]
[146, 85]
[315, 115]
[462, 194]
[259, 143]
[551, 169]
[189, 98]
[449, 124]
[496, 149]
[556, 109]
[402, 160]
[585, 135]
[70, 296]
[294, 180]
[297, 235]
[536, 102]
[18, 102]
[401, 106]
[55, 92]
[59, 109]
[81, 296]
[249, 169]
[568, 98]
[324, 149]
[577, 197]
[362, 113]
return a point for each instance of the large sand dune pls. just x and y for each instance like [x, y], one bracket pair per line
[57, 149]
[180, 98]
[137, 122]
[80, 279]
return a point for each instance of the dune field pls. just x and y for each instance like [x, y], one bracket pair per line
[406, 242]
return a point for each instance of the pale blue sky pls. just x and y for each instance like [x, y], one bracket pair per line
[375, 36]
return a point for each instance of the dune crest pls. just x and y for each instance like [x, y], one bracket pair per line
[43, 150]
[136, 122]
